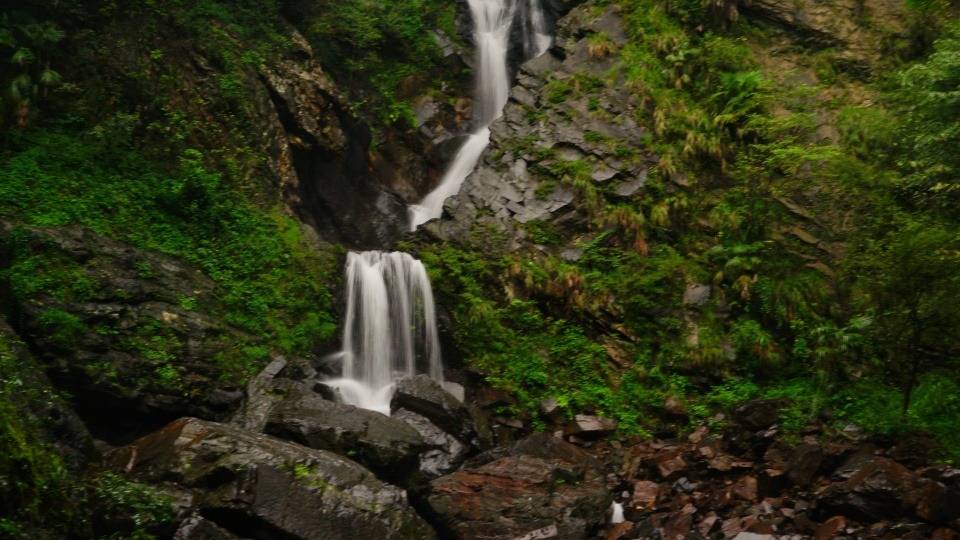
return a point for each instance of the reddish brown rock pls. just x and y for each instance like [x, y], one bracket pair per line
[645, 495]
[517, 496]
[620, 531]
[708, 524]
[670, 463]
[830, 528]
[745, 488]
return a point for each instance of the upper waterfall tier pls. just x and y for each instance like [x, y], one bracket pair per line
[493, 21]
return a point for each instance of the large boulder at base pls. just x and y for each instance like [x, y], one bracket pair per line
[387, 445]
[262, 488]
[425, 396]
[521, 496]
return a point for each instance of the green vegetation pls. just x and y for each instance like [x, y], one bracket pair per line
[383, 47]
[839, 302]
[33, 477]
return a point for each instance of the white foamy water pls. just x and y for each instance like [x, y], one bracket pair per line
[616, 511]
[492, 21]
[390, 331]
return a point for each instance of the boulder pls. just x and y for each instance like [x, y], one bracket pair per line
[426, 397]
[583, 424]
[445, 453]
[759, 413]
[804, 464]
[520, 496]
[259, 487]
[540, 445]
[387, 445]
[880, 489]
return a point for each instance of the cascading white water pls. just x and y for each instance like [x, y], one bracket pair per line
[390, 331]
[492, 20]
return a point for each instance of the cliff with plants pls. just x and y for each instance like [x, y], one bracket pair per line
[702, 283]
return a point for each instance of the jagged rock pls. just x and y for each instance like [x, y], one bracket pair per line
[425, 396]
[836, 24]
[445, 453]
[488, 197]
[583, 424]
[261, 487]
[646, 494]
[520, 497]
[263, 393]
[880, 489]
[387, 445]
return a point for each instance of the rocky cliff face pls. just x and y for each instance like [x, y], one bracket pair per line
[542, 129]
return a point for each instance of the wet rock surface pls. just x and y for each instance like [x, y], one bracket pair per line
[255, 486]
[385, 444]
[536, 133]
[711, 485]
[426, 397]
[522, 495]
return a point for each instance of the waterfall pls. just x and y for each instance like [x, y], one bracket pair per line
[390, 331]
[493, 20]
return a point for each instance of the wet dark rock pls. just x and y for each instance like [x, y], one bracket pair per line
[386, 445]
[879, 489]
[520, 496]
[445, 453]
[804, 464]
[255, 486]
[43, 408]
[425, 396]
[759, 414]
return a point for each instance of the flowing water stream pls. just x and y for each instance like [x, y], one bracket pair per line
[390, 331]
[493, 20]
